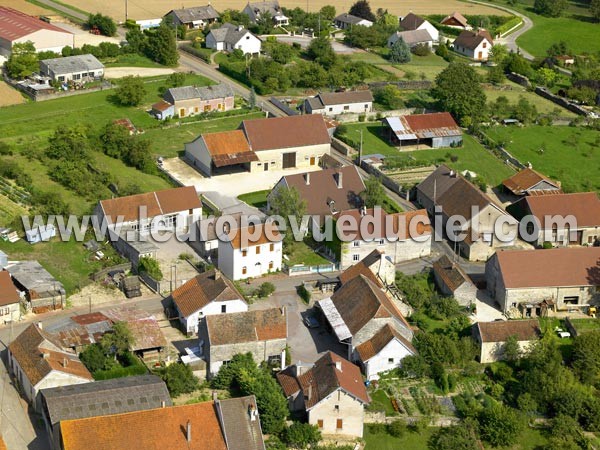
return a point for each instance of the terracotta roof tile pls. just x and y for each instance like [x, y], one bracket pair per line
[161, 106]
[161, 428]
[286, 132]
[8, 291]
[456, 16]
[229, 147]
[566, 266]
[524, 180]
[584, 206]
[401, 223]
[203, 289]
[524, 330]
[288, 381]
[361, 268]
[249, 326]
[383, 337]
[266, 230]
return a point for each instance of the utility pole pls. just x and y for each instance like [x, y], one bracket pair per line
[125, 10]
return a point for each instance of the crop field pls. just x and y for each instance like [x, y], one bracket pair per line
[26, 7]
[149, 9]
[9, 96]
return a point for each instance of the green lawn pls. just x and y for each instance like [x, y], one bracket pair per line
[9, 210]
[130, 60]
[410, 440]
[471, 156]
[381, 402]
[585, 325]
[303, 254]
[543, 105]
[529, 439]
[570, 155]
[428, 66]
[257, 199]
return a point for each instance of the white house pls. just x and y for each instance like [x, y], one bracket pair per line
[79, 68]
[17, 28]
[412, 22]
[37, 361]
[345, 21]
[257, 10]
[384, 351]
[456, 20]
[9, 299]
[251, 252]
[334, 103]
[331, 393]
[206, 294]
[412, 38]
[231, 37]
[474, 45]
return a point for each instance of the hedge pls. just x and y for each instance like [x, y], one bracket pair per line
[120, 372]
[508, 25]
[202, 53]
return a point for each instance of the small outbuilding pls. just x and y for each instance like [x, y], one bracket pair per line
[492, 337]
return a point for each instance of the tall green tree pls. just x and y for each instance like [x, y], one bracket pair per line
[500, 425]
[400, 52]
[288, 203]
[511, 349]
[328, 12]
[374, 194]
[456, 437]
[595, 9]
[118, 341]
[321, 51]
[586, 357]
[69, 143]
[457, 90]
[23, 61]
[130, 91]
[161, 46]
[180, 379]
[362, 8]
[550, 8]
[114, 139]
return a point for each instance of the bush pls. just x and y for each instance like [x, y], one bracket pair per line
[377, 428]
[421, 50]
[397, 428]
[130, 91]
[105, 24]
[179, 379]
[304, 293]
[265, 289]
[301, 435]
[150, 266]
[202, 53]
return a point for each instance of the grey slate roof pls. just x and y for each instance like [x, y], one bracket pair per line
[241, 433]
[413, 37]
[188, 15]
[34, 278]
[70, 64]
[349, 18]
[229, 33]
[100, 398]
[204, 93]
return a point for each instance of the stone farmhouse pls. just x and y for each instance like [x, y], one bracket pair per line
[433, 130]
[530, 182]
[100, 398]
[580, 210]
[79, 68]
[331, 393]
[398, 243]
[231, 37]
[187, 101]
[453, 281]
[38, 361]
[257, 10]
[347, 21]
[10, 300]
[334, 103]
[194, 18]
[530, 282]
[231, 424]
[475, 45]
[262, 145]
[17, 28]
[206, 294]
[262, 254]
[262, 333]
[412, 22]
[456, 196]
[492, 337]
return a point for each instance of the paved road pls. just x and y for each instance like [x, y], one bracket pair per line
[511, 40]
[197, 65]
[64, 9]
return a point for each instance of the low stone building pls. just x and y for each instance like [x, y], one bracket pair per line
[262, 333]
[192, 100]
[530, 281]
[530, 182]
[331, 393]
[492, 337]
[453, 281]
[376, 266]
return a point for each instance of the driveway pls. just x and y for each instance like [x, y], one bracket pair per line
[120, 72]
[222, 190]
[82, 36]
[304, 42]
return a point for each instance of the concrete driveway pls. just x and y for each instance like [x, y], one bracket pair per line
[223, 190]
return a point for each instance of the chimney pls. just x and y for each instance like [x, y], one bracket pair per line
[252, 412]
[46, 355]
[40, 326]
[240, 27]
[307, 178]
[188, 431]
[338, 365]
[452, 174]
[163, 404]
[339, 180]
[283, 310]
[65, 362]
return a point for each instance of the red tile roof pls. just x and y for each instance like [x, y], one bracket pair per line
[524, 330]
[361, 268]
[286, 132]
[430, 121]
[584, 206]
[457, 17]
[401, 223]
[266, 231]
[567, 266]
[288, 381]
[203, 289]
[524, 180]
[378, 342]
[160, 202]
[229, 147]
[161, 106]
[15, 24]
[162, 428]
[8, 291]
[452, 275]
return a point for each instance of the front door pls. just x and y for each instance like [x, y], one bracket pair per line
[480, 55]
[266, 166]
[182, 112]
[312, 160]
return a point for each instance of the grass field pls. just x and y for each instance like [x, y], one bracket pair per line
[585, 325]
[410, 440]
[157, 8]
[570, 155]
[302, 253]
[26, 7]
[471, 156]
[9, 210]
[131, 60]
[257, 199]
[543, 105]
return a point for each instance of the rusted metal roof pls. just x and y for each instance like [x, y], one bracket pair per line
[423, 126]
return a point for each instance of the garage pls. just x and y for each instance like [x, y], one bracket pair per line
[289, 160]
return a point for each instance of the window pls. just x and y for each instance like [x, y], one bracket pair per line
[356, 243]
[355, 258]
[330, 109]
[223, 309]
[76, 76]
[274, 360]
[337, 408]
[390, 360]
[244, 270]
[513, 305]
[339, 424]
[271, 247]
[381, 241]
[346, 107]
[320, 423]
[485, 45]
[571, 300]
[258, 249]
[244, 252]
